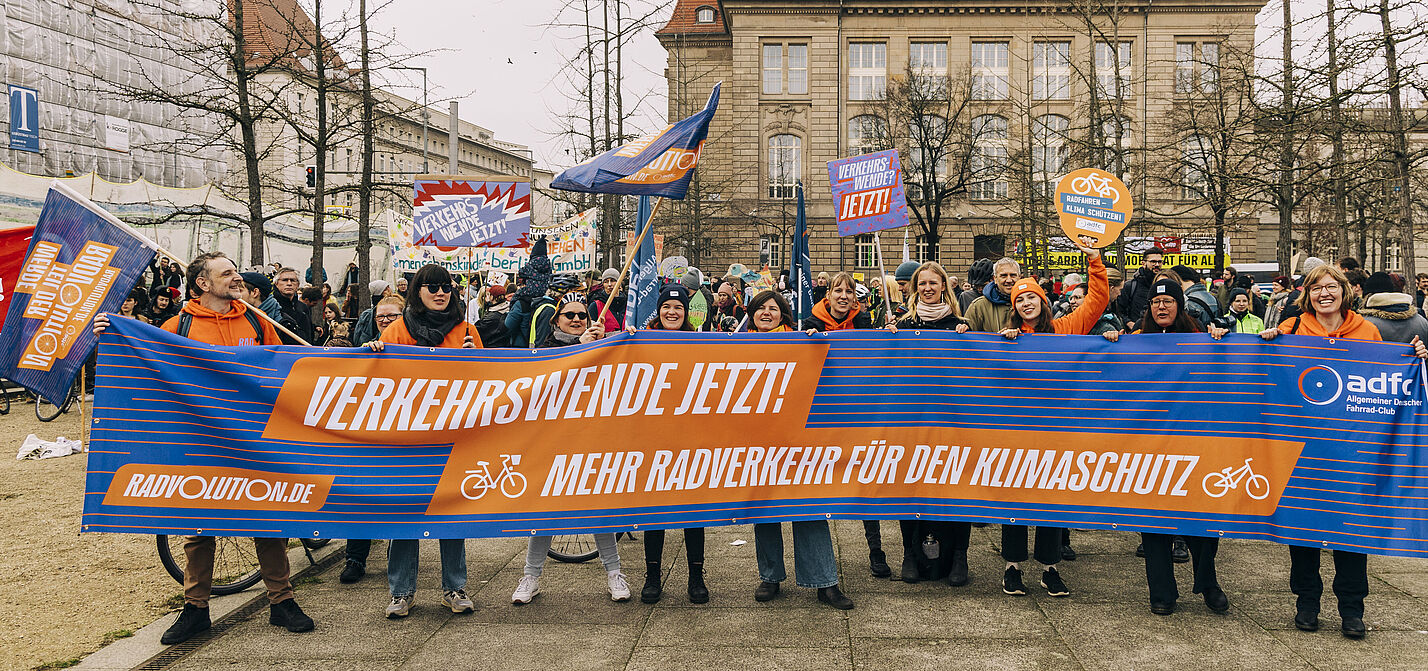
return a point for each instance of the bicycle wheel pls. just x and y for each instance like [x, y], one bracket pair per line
[573, 549]
[4, 402]
[235, 562]
[315, 543]
[46, 410]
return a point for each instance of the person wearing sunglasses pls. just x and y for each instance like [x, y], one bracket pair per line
[433, 317]
[571, 325]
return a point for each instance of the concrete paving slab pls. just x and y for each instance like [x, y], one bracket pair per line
[514, 647]
[745, 627]
[1327, 650]
[1000, 616]
[1384, 609]
[981, 654]
[764, 659]
[343, 627]
[1414, 584]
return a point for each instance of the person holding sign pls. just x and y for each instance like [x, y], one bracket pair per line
[571, 325]
[1165, 313]
[1324, 312]
[814, 564]
[932, 305]
[673, 315]
[1031, 313]
[433, 318]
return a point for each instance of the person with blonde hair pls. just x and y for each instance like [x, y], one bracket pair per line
[894, 301]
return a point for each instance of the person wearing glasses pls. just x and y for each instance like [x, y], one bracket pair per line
[387, 311]
[433, 317]
[571, 325]
[1324, 311]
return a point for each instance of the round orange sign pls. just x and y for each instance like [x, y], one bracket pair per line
[1094, 206]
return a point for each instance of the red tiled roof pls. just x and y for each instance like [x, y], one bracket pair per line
[681, 22]
[279, 29]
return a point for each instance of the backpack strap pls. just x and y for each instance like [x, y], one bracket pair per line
[257, 328]
[185, 323]
[1295, 330]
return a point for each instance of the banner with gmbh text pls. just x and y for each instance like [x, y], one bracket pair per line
[1302, 440]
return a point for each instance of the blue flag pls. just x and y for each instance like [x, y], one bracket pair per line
[801, 270]
[659, 164]
[81, 262]
[644, 272]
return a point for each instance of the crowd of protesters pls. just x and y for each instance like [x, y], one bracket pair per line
[541, 309]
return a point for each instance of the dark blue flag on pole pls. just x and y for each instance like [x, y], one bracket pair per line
[658, 164]
[801, 272]
[81, 262]
[644, 272]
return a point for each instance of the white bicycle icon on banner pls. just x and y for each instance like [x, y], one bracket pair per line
[1226, 479]
[1096, 185]
[479, 481]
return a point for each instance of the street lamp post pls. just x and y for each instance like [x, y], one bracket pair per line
[425, 115]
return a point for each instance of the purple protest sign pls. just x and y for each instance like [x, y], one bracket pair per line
[471, 211]
[868, 193]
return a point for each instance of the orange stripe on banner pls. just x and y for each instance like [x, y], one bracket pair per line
[1380, 454]
[1332, 419]
[1342, 482]
[236, 440]
[1330, 531]
[134, 526]
[1334, 470]
[1317, 543]
[324, 465]
[1346, 512]
[1366, 505]
[196, 405]
[88, 472]
[210, 350]
[325, 454]
[1372, 526]
[1365, 463]
[222, 371]
[993, 368]
[120, 365]
[188, 384]
[1235, 374]
[193, 414]
[108, 452]
[1385, 496]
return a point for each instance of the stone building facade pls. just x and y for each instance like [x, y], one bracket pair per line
[799, 73]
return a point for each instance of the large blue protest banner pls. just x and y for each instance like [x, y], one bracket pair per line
[658, 164]
[24, 118]
[471, 212]
[81, 261]
[868, 192]
[643, 295]
[1301, 440]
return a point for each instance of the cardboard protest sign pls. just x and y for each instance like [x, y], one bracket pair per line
[1094, 206]
[570, 243]
[457, 211]
[868, 193]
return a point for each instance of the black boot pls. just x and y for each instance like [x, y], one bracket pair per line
[878, 564]
[189, 623]
[287, 615]
[766, 591]
[957, 575]
[652, 590]
[698, 592]
[352, 572]
[909, 569]
[835, 598]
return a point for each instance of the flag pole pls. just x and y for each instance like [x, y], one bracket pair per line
[882, 279]
[630, 255]
[107, 216]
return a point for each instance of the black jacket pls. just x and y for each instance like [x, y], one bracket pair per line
[297, 317]
[1135, 295]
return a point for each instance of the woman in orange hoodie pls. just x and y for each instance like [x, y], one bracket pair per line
[1324, 311]
[433, 317]
[1031, 313]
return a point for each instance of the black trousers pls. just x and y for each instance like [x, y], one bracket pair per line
[1160, 570]
[951, 537]
[1350, 579]
[693, 545]
[1048, 544]
[873, 531]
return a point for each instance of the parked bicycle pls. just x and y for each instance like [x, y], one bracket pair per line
[235, 561]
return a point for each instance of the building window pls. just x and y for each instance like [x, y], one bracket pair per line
[771, 250]
[704, 15]
[1113, 69]
[1197, 67]
[927, 61]
[863, 253]
[927, 140]
[990, 70]
[1051, 70]
[989, 246]
[866, 134]
[784, 164]
[867, 70]
[785, 69]
[1197, 159]
[1048, 152]
[989, 158]
[920, 250]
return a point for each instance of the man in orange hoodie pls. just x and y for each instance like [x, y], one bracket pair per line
[220, 317]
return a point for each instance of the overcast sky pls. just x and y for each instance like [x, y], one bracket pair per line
[519, 100]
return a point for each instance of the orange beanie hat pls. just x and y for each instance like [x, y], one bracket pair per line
[1023, 286]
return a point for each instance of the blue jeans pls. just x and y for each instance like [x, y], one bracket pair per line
[402, 566]
[813, 561]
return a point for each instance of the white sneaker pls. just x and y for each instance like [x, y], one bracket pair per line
[399, 607]
[619, 587]
[458, 602]
[526, 589]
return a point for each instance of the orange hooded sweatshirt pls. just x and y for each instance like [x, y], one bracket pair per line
[230, 329]
[1080, 321]
[396, 334]
[820, 312]
[1354, 327]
